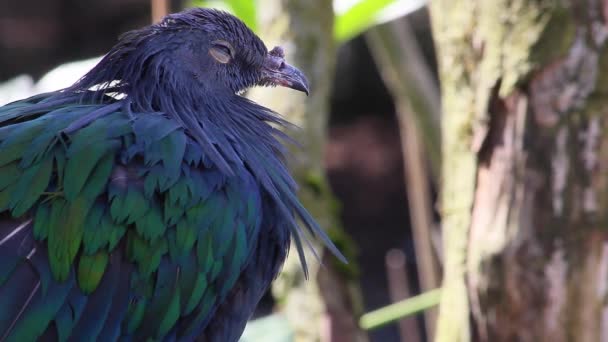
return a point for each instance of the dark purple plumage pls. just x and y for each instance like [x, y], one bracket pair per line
[149, 200]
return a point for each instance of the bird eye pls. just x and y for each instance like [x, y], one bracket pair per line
[222, 51]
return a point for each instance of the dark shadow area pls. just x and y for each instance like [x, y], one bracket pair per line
[366, 170]
[36, 35]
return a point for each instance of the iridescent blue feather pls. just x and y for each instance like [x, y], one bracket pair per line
[149, 200]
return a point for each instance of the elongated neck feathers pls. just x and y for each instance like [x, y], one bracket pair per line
[154, 70]
[143, 68]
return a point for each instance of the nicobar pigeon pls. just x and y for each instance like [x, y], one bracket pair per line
[149, 201]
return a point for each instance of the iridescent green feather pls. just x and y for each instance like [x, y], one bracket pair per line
[9, 173]
[96, 230]
[33, 181]
[42, 221]
[65, 235]
[81, 164]
[90, 270]
[137, 185]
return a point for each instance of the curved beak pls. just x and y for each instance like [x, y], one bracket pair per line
[277, 72]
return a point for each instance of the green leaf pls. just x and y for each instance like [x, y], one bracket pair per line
[243, 9]
[246, 11]
[358, 18]
[407, 307]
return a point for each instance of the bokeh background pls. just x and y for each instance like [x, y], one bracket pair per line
[380, 163]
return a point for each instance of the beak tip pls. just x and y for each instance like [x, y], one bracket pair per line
[284, 75]
[300, 85]
[303, 83]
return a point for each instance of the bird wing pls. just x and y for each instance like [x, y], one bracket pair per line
[114, 224]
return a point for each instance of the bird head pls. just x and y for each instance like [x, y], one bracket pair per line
[200, 50]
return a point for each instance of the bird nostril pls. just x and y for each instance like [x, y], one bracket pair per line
[275, 63]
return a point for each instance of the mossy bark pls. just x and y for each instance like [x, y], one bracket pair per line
[327, 308]
[525, 153]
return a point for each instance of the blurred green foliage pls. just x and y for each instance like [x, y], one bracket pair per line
[244, 9]
[358, 17]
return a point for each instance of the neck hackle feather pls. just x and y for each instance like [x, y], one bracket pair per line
[144, 202]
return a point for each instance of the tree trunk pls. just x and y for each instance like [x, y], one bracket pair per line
[326, 308]
[525, 158]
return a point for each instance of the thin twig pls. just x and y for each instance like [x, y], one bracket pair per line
[399, 289]
[408, 76]
[417, 104]
[160, 8]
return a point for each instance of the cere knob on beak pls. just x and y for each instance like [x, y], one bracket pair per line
[277, 72]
